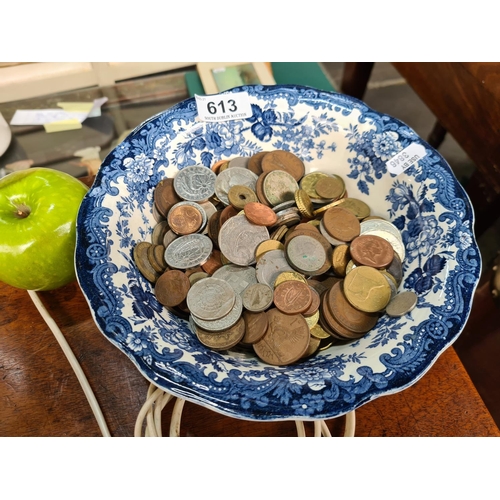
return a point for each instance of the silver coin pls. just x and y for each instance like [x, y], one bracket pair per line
[230, 177]
[195, 183]
[279, 186]
[333, 241]
[209, 209]
[396, 269]
[367, 226]
[288, 217]
[284, 205]
[270, 266]
[305, 254]
[394, 289]
[210, 298]
[169, 237]
[226, 321]
[239, 238]
[257, 297]
[239, 277]
[239, 161]
[187, 251]
[402, 304]
[395, 242]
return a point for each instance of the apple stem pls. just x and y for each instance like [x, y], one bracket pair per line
[22, 211]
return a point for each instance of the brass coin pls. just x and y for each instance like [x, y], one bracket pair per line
[239, 196]
[314, 344]
[330, 187]
[197, 276]
[223, 339]
[140, 256]
[164, 196]
[319, 333]
[351, 318]
[292, 297]
[304, 203]
[156, 256]
[255, 162]
[366, 289]
[312, 320]
[289, 276]
[308, 184]
[159, 232]
[371, 250]
[284, 160]
[340, 258]
[402, 304]
[279, 233]
[256, 324]
[286, 340]
[185, 219]
[172, 287]
[260, 214]
[267, 246]
[341, 224]
[359, 208]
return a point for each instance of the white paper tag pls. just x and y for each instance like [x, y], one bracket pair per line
[223, 107]
[406, 158]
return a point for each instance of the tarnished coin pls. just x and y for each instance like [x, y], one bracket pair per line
[402, 304]
[239, 277]
[257, 297]
[197, 276]
[289, 276]
[340, 258]
[188, 251]
[341, 224]
[395, 269]
[270, 266]
[156, 256]
[239, 238]
[195, 183]
[314, 344]
[359, 208]
[239, 161]
[367, 289]
[327, 248]
[259, 190]
[315, 303]
[330, 187]
[172, 287]
[267, 246]
[217, 166]
[279, 186]
[305, 253]
[260, 214]
[369, 225]
[235, 176]
[304, 203]
[209, 209]
[371, 250]
[210, 299]
[333, 241]
[226, 321]
[288, 217]
[284, 160]
[284, 205]
[213, 263]
[221, 340]
[279, 233]
[186, 217]
[331, 324]
[255, 162]
[159, 232]
[255, 326]
[164, 196]
[169, 237]
[308, 184]
[240, 196]
[292, 297]
[213, 227]
[140, 256]
[395, 242]
[286, 339]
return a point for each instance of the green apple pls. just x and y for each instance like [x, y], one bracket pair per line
[38, 211]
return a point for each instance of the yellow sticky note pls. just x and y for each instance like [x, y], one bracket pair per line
[62, 125]
[82, 107]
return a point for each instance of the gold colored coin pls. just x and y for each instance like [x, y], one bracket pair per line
[279, 233]
[314, 344]
[309, 181]
[324, 208]
[359, 208]
[312, 320]
[266, 246]
[304, 203]
[239, 196]
[367, 289]
[289, 276]
[319, 333]
[330, 188]
[340, 258]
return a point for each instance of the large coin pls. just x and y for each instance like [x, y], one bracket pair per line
[172, 287]
[210, 298]
[286, 339]
[305, 253]
[279, 186]
[256, 324]
[371, 250]
[341, 224]
[239, 277]
[236, 176]
[367, 289]
[195, 183]
[367, 226]
[270, 266]
[239, 238]
[165, 196]
[284, 160]
[292, 297]
[222, 323]
[222, 340]
[188, 251]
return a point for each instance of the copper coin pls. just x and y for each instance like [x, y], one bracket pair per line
[330, 187]
[331, 324]
[255, 162]
[284, 160]
[213, 263]
[214, 227]
[314, 303]
[172, 287]
[223, 339]
[286, 339]
[353, 319]
[371, 250]
[341, 224]
[185, 219]
[292, 297]
[226, 214]
[260, 214]
[256, 324]
[140, 256]
[165, 196]
[259, 190]
[216, 167]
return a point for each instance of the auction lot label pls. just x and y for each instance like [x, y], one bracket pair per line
[406, 158]
[223, 107]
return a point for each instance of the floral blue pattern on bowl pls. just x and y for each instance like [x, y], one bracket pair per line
[330, 132]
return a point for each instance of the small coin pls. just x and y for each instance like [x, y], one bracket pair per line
[239, 196]
[260, 214]
[172, 287]
[305, 253]
[257, 297]
[314, 344]
[239, 161]
[318, 332]
[195, 183]
[140, 256]
[256, 324]
[304, 203]
[279, 186]
[327, 248]
[402, 304]
[186, 217]
[292, 297]
[289, 276]
[308, 184]
[270, 266]
[315, 303]
[159, 232]
[213, 263]
[367, 289]
[187, 251]
[284, 160]
[286, 339]
[333, 241]
[395, 269]
[371, 250]
[197, 276]
[156, 256]
[223, 339]
[168, 238]
[341, 224]
[210, 299]
[331, 187]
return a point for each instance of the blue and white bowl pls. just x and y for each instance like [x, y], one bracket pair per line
[330, 132]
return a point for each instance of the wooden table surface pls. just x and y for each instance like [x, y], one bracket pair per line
[41, 395]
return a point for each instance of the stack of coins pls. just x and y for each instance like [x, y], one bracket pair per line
[255, 253]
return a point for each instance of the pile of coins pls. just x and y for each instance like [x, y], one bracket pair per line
[256, 253]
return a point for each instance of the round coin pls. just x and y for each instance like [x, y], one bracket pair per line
[172, 287]
[240, 196]
[186, 217]
[239, 277]
[195, 183]
[260, 214]
[402, 304]
[223, 339]
[223, 323]
[330, 187]
[367, 289]
[305, 253]
[187, 251]
[270, 266]
[255, 162]
[256, 324]
[286, 339]
[284, 160]
[140, 256]
[371, 250]
[292, 297]
[279, 186]
[164, 196]
[210, 299]
[230, 177]
[341, 224]
[257, 297]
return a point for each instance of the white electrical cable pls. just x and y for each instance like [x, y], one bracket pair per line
[72, 361]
